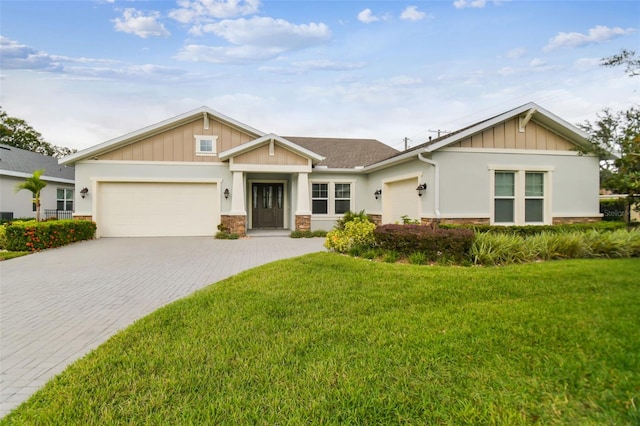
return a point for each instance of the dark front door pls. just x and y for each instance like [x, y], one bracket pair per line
[268, 205]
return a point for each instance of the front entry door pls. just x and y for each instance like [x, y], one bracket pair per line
[268, 205]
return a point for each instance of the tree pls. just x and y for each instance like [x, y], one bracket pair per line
[34, 184]
[17, 132]
[627, 58]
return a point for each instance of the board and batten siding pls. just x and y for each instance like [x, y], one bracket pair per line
[179, 144]
[280, 157]
[507, 136]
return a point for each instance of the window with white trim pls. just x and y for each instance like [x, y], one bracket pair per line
[331, 198]
[64, 199]
[206, 145]
[520, 197]
[319, 198]
[342, 197]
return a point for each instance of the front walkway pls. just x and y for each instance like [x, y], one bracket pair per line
[59, 304]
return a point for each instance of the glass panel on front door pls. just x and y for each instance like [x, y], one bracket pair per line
[268, 213]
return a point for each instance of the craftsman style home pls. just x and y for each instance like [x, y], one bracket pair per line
[188, 174]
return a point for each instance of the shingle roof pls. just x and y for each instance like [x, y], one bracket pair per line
[343, 153]
[18, 160]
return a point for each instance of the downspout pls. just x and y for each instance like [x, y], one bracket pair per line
[436, 183]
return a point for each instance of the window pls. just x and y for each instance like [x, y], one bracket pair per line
[206, 145]
[331, 198]
[342, 198]
[320, 198]
[64, 199]
[534, 197]
[504, 211]
[519, 197]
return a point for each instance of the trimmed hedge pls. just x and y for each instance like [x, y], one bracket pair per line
[433, 243]
[529, 230]
[36, 236]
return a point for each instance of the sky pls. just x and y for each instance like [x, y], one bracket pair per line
[82, 72]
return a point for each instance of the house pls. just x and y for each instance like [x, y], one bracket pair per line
[186, 175]
[56, 199]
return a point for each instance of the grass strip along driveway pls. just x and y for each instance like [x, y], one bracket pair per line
[329, 339]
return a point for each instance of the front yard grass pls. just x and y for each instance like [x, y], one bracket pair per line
[329, 339]
[6, 255]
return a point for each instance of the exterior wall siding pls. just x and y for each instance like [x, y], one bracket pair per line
[507, 136]
[179, 144]
[281, 157]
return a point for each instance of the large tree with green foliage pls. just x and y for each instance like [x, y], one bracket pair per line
[35, 185]
[17, 132]
[619, 132]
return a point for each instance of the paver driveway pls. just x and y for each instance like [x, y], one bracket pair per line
[59, 304]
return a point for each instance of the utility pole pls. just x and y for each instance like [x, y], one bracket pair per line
[406, 143]
[439, 131]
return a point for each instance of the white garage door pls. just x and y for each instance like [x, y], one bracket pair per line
[400, 198]
[133, 209]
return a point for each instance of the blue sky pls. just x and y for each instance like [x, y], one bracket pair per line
[82, 72]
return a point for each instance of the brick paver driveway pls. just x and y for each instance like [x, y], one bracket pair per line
[58, 305]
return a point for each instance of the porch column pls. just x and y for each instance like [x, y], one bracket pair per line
[303, 210]
[237, 195]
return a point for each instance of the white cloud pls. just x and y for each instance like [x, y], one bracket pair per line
[326, 65]
[257, 38]
[462, 4]
[14, 55]
[206, 10]
[597, 34]
[411, 13]
[516, 53]
[136, 22]
[367, 16]
[264, 31]
[537, 62]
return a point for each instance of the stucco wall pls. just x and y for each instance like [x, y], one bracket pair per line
[465, 179]
[21, 203]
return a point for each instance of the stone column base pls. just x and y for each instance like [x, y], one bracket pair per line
[466, 221]
[237, 224]
[375, 218]
[89, 218]
[303, 222]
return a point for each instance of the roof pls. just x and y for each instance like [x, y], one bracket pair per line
[341, 153]
[22, 163]
[158, 128]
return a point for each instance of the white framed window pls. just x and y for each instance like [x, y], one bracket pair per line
[331, 198]
[319, 198]
[206, 145]
[64, 199]
[520, 196]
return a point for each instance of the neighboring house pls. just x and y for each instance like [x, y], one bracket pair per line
[57, 198]
[186, 175]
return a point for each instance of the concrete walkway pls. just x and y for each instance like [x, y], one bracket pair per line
[57, 305]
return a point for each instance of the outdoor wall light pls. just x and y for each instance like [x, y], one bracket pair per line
[378, 193]
[84, 191]
[226, 193]
[421, 188]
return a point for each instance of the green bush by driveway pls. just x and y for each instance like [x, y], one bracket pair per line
[329, 339]
[35, 236]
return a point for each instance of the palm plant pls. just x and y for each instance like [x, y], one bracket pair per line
[34, 184]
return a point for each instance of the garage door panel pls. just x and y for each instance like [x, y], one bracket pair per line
[133, 209]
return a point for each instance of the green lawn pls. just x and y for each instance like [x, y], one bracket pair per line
[6, 255]
[329, 339]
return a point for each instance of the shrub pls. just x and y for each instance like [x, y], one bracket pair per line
[350, 216]
[35, 236]
[418, 258]
[500, 249]
[321, 233]
[434, 243]
[527, 230]
[308, 234]
[391, 256]
[3, 238]
[356, 233]
[226, 236]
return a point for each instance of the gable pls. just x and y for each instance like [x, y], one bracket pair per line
[507, 135]
[179, 143]
[271, 155]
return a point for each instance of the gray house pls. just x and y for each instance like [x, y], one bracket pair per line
[56, 199]
[187, 174]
